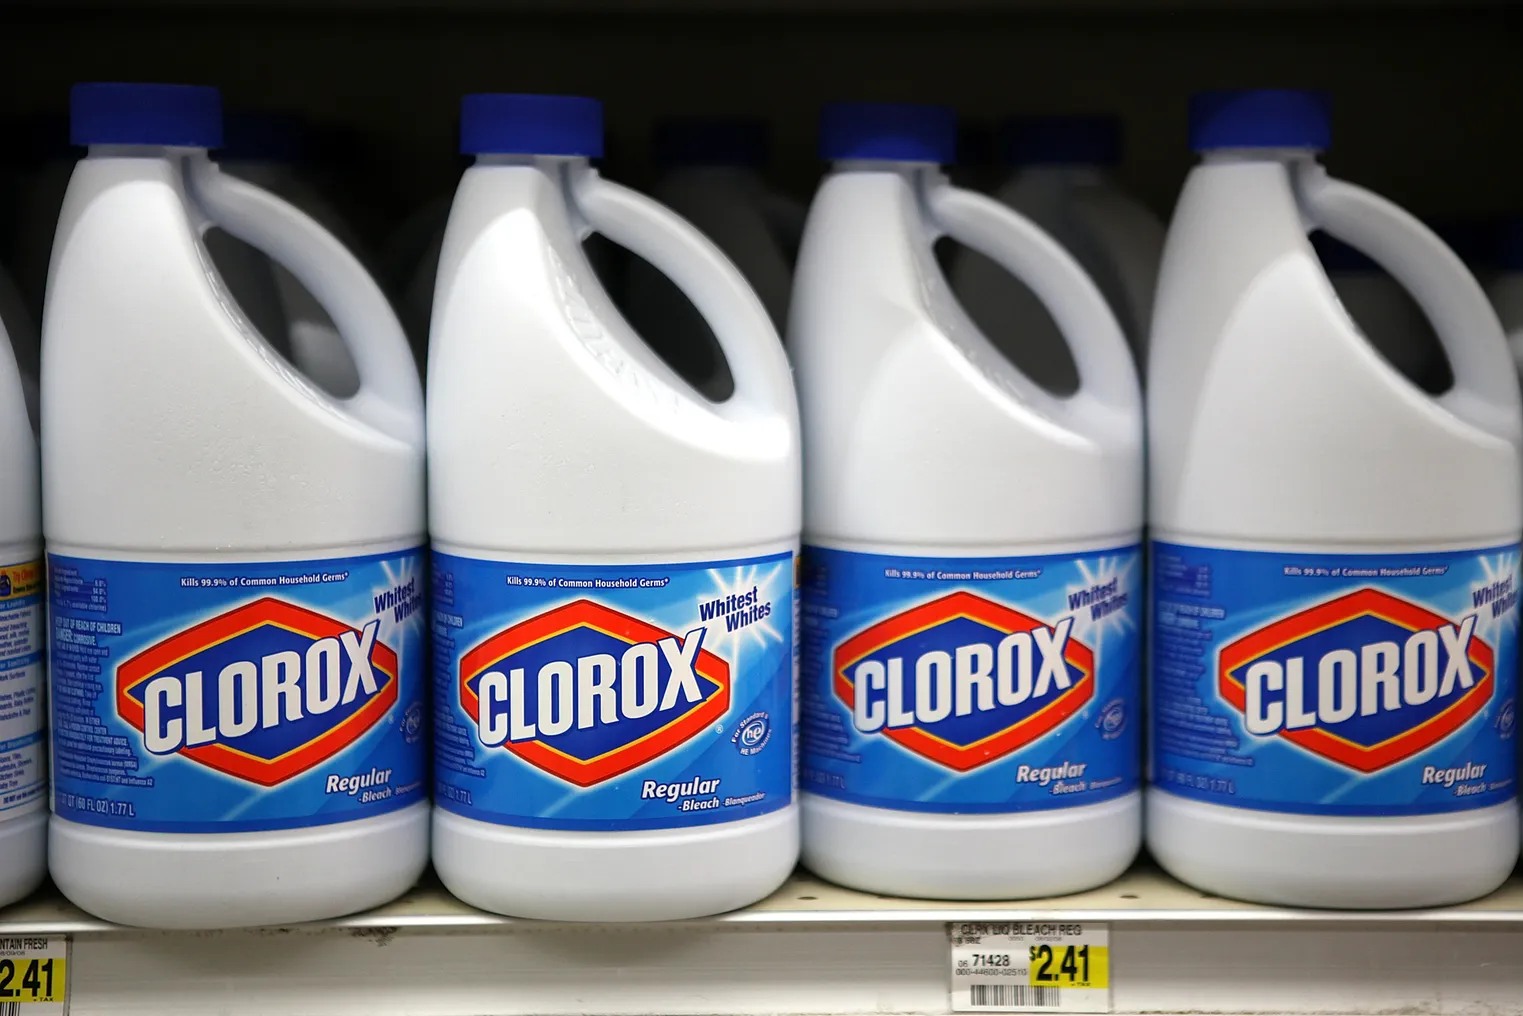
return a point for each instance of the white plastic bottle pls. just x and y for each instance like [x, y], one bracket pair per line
[713, 176]
[235, 556]
[23, 773]
[25, 344]
[1335, 551]
[412, 260]
[614, 554]
[1474, 238]
[1383, 311]
[973, 578]
[266, 149]
[711, 173]
[1062, 182]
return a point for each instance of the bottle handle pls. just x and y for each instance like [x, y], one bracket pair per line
[1485, 390]
[1107, 374]
[390, 396]
[763, 380]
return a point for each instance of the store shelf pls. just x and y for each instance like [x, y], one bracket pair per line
[1144, 895]
[1422, 86]
[810, 948]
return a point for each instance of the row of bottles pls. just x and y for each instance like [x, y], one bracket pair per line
[1056, 170]
[630, 568]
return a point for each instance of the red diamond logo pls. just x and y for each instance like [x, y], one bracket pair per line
[279, 746]
[596, 750]
[964, 744]
[1366, 744]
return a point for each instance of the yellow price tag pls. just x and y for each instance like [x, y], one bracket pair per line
[1045, 967]
[1070, 966]
[34, 970]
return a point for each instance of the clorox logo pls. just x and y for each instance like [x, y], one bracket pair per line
[263, 693]
[963, 681]
[1366, 680]
[587, 693]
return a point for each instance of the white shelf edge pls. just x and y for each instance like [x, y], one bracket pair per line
[1142, 896]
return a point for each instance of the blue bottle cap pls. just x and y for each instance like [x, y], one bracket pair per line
[497, 123]
[1261, 118]
[711, 141]
[1061, 141]
[891, 131]
[264, 137]
[120, 113]
[1339, 258]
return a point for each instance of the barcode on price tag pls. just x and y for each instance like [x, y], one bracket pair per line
[1030, 967]
[34, 975]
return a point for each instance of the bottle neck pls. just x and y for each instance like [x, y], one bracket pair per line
[883, 166]
[141, 151]
[551, 163]
[1221, 156]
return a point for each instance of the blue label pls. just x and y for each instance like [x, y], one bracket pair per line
[22, 762]
[613, 697]
[1335, 684]
[233, 697]
[971, 685]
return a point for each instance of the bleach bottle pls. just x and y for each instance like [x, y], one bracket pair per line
[235, 556]
[411, 261]
[712, 175]
[614, 554]
[23, 761]
[1384, 311]
[1335, 551]
[1476, 240]
[25, 344]
[973, 579]
[267, 149]
[1062, 182]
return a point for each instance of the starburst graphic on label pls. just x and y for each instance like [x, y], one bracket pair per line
[1494, 597]
[758, 634]
[399, 574]
[1092, 624]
